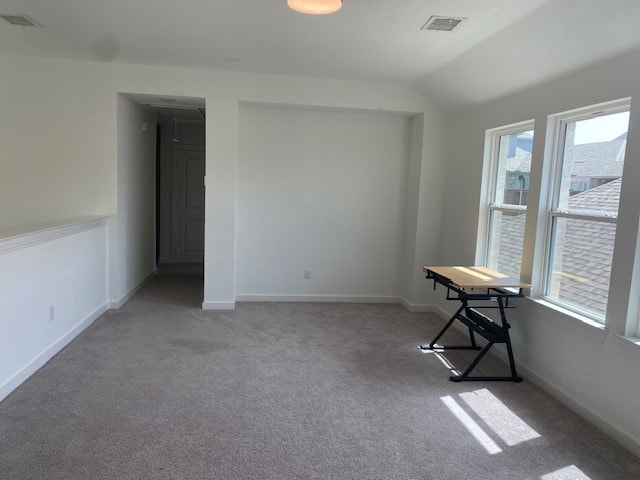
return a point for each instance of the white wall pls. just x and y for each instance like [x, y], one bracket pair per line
[321, 190]
[135, 227]
[58, 144]
[62, 266]
[592, 370]
[425, 194]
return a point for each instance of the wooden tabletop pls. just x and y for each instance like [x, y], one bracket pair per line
[476, 277]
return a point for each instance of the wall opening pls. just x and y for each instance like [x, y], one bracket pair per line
[179, 196]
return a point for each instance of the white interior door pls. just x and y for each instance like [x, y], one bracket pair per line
[188, 204]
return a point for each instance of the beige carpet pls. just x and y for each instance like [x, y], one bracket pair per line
[161, 389]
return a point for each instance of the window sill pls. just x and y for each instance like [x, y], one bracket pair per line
[634, 340]
[569, 313]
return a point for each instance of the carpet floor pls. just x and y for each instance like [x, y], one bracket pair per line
[163, 390]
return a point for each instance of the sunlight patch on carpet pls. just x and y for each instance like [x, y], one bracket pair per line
[498, 417]
[471, 425]
[568, 473]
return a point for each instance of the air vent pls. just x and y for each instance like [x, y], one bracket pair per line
[20, 20]
[442, 24]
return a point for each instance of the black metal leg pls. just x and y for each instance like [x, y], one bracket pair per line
[501, 337]
[507, 340]
[465, 375]
[431, 346]
[472, 338]
[466, 378]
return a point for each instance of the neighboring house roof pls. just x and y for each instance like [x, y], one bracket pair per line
[605, 197]
[521, 162]
[592, 160]
[602, 159]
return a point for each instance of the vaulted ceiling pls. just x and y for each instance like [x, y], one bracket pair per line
[503, 46]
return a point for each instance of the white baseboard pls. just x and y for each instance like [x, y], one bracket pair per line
[218, 305]
[298, 298]
[419, 307]
[127, 296]
[443, 314]
[316, 298]
[45, 356]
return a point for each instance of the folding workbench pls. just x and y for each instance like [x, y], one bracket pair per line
[475, 284]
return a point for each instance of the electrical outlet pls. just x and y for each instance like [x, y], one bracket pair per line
[307, 274]
[52, 313]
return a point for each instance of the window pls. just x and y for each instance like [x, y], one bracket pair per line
[584, 208]
[509, 172]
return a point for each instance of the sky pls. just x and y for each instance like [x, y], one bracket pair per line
[601, 129]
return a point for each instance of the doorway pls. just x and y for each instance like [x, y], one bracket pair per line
[180, 171]
[180, 176]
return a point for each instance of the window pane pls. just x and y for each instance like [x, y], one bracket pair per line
[592, 163]
[513, 168]
[506, 235]
[580, 263]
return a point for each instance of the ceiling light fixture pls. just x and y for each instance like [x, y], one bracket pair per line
[315, 7]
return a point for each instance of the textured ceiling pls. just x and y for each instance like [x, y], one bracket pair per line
[505, 45]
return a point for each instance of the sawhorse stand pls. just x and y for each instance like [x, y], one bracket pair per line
[475, 321]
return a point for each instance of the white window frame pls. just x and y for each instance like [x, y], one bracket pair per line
[490, 183]
[559, 122]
